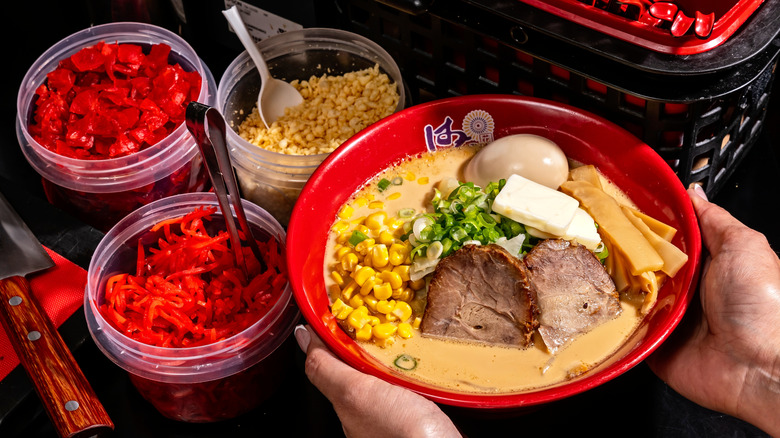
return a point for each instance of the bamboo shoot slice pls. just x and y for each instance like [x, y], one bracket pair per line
[639, 253]
[674, 258]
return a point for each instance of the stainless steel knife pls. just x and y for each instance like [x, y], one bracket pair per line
[70, 401]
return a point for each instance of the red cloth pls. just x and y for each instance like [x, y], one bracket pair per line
[60, 290]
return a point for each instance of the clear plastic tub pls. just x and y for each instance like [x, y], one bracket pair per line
[198, 384]
[101, 192]
[270, 179]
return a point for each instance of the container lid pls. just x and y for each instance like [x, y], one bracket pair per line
[680, 27]
[756, 35]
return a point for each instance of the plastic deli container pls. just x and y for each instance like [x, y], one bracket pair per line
[101, 192]
[199, 384]
[270, 179]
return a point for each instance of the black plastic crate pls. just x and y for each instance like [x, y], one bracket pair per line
[701, 113]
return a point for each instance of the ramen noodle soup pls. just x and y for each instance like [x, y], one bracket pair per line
[378, 281]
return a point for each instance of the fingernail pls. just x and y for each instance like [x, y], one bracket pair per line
[302, 336]
[697, 188]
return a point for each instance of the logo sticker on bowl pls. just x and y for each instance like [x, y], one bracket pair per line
[477, 127]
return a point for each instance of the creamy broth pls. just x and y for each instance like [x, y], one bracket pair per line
[474, 367]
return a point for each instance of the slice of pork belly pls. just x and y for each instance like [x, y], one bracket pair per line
[481, 294]
[573, 290]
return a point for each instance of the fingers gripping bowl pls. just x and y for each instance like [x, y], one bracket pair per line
[583, 137]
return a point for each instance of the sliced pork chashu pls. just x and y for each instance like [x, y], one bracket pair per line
[481, 294]
[573, 290]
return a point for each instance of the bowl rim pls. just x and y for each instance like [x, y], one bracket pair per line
[299, 232]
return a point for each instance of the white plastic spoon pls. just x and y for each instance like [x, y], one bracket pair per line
[275, 95]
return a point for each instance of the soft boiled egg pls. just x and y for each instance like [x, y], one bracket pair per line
[531, 156]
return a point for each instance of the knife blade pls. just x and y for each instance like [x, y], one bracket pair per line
[67, 396]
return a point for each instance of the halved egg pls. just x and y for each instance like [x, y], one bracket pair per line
[531, 156]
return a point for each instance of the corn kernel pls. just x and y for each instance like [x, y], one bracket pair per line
[340, 269]
[349, 289]
[376, 205]
[363, 246]
[396, 254]
[364, 333]
[375, 221]
[360, 202]
[416, 322]
[358, 220]
[334, 291]
[363, 229]
[402, 271]
[341, 251]
[379, 256]
[410, 176]
[383, 291]
[343, 238]
[340, 310]
[417, 284]
[337, 278]
[404, 330]
[384, 306]
[423, 180]
[395, 224]
[358, 318]
[370, 302]
[386, 238]
[364, 274]
[394, 196]
[368, 286]
[356, 301]
[402, 311]
[373, 320]
[349, 261]
[346, 212]
[340, 226]
[393, 278]
[384, 331]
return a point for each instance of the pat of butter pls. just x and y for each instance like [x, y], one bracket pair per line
[582, 230]
[533, 204]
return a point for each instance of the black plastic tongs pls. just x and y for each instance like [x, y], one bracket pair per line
[208, 127]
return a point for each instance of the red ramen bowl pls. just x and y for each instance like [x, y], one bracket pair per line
[584, 137]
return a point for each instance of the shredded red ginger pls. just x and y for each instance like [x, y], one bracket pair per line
[188, 291]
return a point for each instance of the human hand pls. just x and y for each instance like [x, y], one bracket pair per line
[366, 405]
[726, 354]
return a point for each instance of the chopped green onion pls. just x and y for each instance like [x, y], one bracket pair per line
[397, 181]
[357, 237]
[603, 254]
[436, 197]
[465, 215]
[405, 362]
[406, 213]
[384, 183]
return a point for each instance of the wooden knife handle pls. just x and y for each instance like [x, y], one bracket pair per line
[66, 394]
